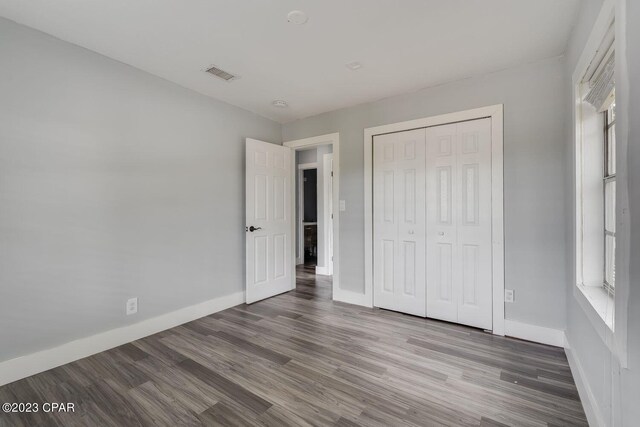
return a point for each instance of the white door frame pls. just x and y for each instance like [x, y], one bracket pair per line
[495, 112]
[327, 206]
[332, 139]
[299, 185]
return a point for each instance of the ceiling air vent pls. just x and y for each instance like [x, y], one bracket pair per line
[221, 74]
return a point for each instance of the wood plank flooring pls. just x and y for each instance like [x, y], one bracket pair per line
[300, 359]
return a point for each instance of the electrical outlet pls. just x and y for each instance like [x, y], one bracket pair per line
[343, 205]
[132, 306]
[509, 295]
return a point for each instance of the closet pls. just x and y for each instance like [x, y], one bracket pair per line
[432, 222]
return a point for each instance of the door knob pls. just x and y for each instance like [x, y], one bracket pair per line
[252, 228]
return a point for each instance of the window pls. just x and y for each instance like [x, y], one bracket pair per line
[609, 185]
[595, 115]
[598, 191]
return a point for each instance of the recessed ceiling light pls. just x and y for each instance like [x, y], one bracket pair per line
[297, 17]
[354, 65]
[280, 103]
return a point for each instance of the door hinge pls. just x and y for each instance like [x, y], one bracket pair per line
[331, 173]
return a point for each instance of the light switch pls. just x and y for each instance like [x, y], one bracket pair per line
[132, 306]
[509, 295]
[343, 205]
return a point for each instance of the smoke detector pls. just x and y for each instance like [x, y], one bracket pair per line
[354, 65]
[278, 103]
[221, 74]
[297, 17]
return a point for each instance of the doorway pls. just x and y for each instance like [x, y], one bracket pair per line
[309, 206]
[315, 193]
[314, 233]
[307, 209]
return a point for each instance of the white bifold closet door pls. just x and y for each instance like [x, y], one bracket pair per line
[432, 222]
[399, 221]
[459, 260]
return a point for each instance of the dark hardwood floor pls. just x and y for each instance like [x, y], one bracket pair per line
[300, 359]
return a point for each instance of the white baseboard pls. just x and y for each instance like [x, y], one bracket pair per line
[539, 334]
[323, 271]
[299, 261]
[589, 402]
[350, 297]
[31, 364]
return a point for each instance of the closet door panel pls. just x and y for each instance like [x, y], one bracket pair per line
[459, 263]
[385, 239]
[441, 255]
[410, 297]
[474, 224]
[399, 221]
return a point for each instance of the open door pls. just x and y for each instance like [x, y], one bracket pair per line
[268, 220]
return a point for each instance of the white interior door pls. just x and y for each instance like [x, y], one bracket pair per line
[442, 205]
[475, 306]
[399, 221]
[268, 220]
[459, 250]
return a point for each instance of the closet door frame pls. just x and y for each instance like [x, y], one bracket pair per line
[495, 113]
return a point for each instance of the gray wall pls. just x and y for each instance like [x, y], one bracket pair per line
[306, 156]
[615, 389]
[533, 173]
[113, 184]
[630, 378]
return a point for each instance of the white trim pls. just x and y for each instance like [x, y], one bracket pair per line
[595, 302]
[323, 271]
[334, 140]
[303, 166]
[587, 398]
[299, 236]
[599, 31]
[535, 333]
[31, 364]
[587, 299]
[327, 211]
[495, 112]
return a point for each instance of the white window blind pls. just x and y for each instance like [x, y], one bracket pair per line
[599, 79]
[601, 89]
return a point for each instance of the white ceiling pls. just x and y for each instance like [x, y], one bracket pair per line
[403, 45]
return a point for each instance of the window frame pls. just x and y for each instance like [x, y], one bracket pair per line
[602, 310]
[608, 177]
